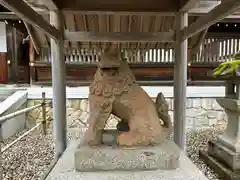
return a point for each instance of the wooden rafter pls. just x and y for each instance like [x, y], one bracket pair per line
[123, 46]
[188, 5]
[9, 15]
[68, 46]
[26, 13]
[129, 28]
[119, 36]
[196, 47]
[75, 29]
[49, 4]
[120, 6]
[162, 26]
[151, 29]
[117, 25]
[215, 15]
[157, 27]
[140, 29]
[42, 5]
[102, 27]
[48, 41]
[32, 36]
[86, 26]
[12, 15]
[223, 35]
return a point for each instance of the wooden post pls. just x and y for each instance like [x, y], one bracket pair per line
[180, 82]
[59, 86]
[44, 123]
[15, 56]
[32, 78]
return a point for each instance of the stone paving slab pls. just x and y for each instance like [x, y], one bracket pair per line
[64, 170]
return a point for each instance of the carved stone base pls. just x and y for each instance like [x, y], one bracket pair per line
[109, 157]
[223, 171]
[224, 154]
[65, 170]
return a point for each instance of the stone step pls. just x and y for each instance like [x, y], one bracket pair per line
[5, 92]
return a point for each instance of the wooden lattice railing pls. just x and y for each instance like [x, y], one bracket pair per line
[211, 51]
[217, 50]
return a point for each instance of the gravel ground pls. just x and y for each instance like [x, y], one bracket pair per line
[197, 140]
[31, 156]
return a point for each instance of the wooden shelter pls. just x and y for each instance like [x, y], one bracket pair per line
[151, 60]
[134, 26]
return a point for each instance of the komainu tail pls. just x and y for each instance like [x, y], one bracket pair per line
[162, 110]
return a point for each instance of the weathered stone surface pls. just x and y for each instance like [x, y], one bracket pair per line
[230, 138]
[214, 115]
[229, 104]
[206, 103]
[114, 91]
[223, 154]
[75, 104]
[65, 170]
[70, 111]
[75, 119]
[84, 106]
[218, 167]
[84, 117]
[196, 102]
[164, 156]
[74, 133]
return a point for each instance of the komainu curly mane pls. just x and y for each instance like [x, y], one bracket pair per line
[114, 85]
[115, 91]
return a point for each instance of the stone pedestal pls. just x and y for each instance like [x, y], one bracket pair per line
[65, 170]
[109, 157]
[224, 153]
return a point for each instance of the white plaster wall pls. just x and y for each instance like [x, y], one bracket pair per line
[82, 92]
[3, 37]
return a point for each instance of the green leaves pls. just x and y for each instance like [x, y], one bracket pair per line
[228, 68]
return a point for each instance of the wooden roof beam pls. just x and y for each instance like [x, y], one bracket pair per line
[32, 36]
[42, 5]
[119, 36]
[223, 35]
[26, 13]
[49, 4]
[215, 15]
[123, 46]
[13, 16]
[9, 15]
[187, 5]
[122, 6]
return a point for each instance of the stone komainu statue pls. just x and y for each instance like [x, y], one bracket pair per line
[114, 90]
